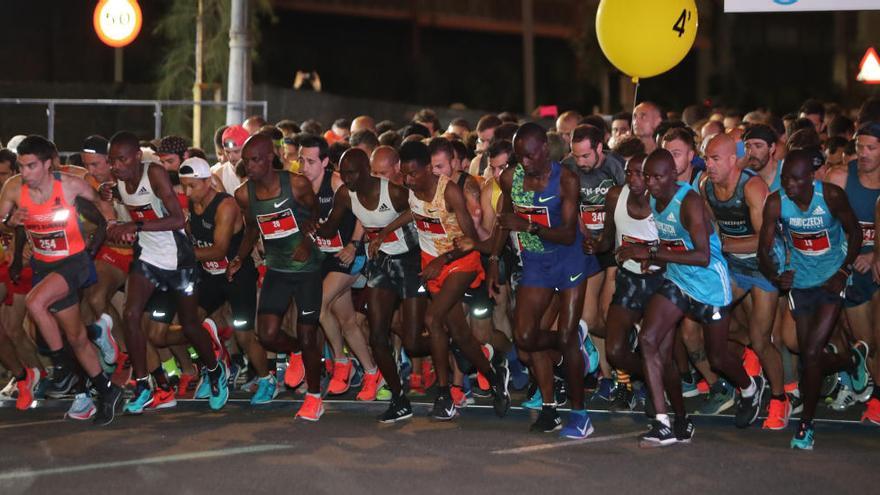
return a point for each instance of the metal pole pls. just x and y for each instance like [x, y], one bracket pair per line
[50, 114]
[528, 57]
[117, 65]
[197, 86]
[239, 63]
[157, 115]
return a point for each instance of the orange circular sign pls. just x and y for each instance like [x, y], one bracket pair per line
[117, 22]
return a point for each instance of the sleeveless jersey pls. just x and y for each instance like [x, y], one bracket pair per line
[325, 205]
[401, 240]
[53, 226]
[201, 227]
[814, 237]
[863, 201]
[541, 207]
[706, 284]
[594, 185]
[278, 219]
[436, 226]
[166, 249]
[629, 230]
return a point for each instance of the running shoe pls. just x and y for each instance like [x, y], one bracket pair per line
[867, 393]
[578, 426]
[721, 398]
[342, 373]
[295, 372]
[459, 399]
[860, 374]
[106, 343]
[690, 388]
[845, 397]
[26, 389]
[548, 421]
[604, 390]
[560, 392]
[251, 385]
[404, 365]
[267, 390]
[482, 381]
[216, 344]
[659, 435]
[684, 429]
[82, 408]
[872, 411]
[748, 408]
[186, 384]
[415, 384]
[778, 413]
[703, 387]
[357, 376]
[61, 383]
[803, 439]
[383, 394]
[501, 400]
[519, 374]
[370, 387]
[162, 399]
[588, 349]
[108, 401]
[203, 389]
[8, 392]
[830, 384]
[399, 409]
[312, 408]
[797, 403]
[428, 374]
[219, 388]
[622, 399]
[444, 409]
[751, 363]
[235, 373]
[467, 388]
[534, 402]
[142, 399]
[122, 374]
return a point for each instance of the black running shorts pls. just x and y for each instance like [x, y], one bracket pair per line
[306, 288]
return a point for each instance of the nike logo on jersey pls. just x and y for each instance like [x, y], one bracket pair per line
[544, 200]
[306, 313]
[575, 277]
[818, 210]
[276, 205]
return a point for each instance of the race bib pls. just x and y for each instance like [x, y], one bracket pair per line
[810, 243]
[429, 225]
[331, 245]
[373, 233]
[142, 213]
[51, 244]
[628, 240]
[277, 225]
[593, 216]
[867, 233]
[217, 267]
[535, 214]
[673, 245]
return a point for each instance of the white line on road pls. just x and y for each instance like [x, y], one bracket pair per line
[569, 443]
[32, 423]
[35, 473]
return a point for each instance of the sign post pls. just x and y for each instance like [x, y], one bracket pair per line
[117, 23]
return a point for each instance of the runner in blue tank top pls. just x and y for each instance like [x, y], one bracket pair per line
[540, 204]
[697, 285]
[814, 217]
[737, 197]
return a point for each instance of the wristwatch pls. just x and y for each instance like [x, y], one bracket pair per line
[652, 251]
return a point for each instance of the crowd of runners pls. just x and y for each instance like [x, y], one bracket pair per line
[635, 260]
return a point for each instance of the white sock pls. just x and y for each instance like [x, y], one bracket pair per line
[663, 418]
[750, 390]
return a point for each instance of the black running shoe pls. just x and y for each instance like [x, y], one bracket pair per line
[559, 391]
[501, 400]
[748, 408]
[108, 403]
[620, 398]
[684, 429]
[62, 382]
[659, 435]
[399, 409]
[548, 421]
[444, 409]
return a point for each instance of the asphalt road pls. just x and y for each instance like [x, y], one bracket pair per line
[245, 450]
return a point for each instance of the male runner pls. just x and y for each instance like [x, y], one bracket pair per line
[281, 208]
[43, 203]
[163, 260]
[823, 238]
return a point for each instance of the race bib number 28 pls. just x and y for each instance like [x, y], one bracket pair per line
[277, 225]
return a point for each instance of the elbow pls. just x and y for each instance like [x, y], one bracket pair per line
[704, 260]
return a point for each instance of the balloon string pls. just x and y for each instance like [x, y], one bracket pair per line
[636, 95]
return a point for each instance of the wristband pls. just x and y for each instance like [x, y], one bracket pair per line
[138, 226]
[494, 258]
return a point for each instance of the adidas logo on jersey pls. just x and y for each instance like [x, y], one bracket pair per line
[671, 217]
[818, 210]
[383, 207]
[143, 190]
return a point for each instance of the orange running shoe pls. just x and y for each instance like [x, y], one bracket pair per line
[26, 389]
[482, 381]
[342, 373]
[162, 399]
[751, 362]
[703, 387]
[312, 408]
[459, 399]
[296, 371]
[415, 384]
[428, 375]
[187, 381]
[872, 413]
[778, 414]
[370, 387]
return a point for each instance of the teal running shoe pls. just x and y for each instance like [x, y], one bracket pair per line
[203, 390]
[721, 398]
[267, 389]
[803, 439]
[591, 354]
[219, 390]
[139, 402]
[535, 402]
[859, 373]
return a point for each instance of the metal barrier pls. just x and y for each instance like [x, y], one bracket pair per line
[156, 104]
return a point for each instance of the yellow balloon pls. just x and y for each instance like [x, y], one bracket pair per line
[644, 38]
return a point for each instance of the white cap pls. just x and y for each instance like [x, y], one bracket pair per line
[13, 143]
[149, 156]
[194, 168]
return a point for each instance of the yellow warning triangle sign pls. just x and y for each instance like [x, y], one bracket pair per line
[869, 68]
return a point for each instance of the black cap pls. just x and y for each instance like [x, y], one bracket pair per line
[96, 144]
[869, 129]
